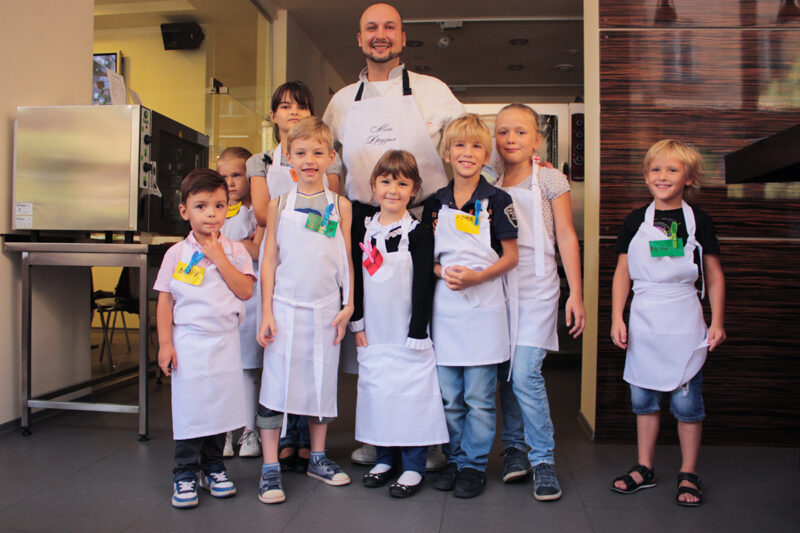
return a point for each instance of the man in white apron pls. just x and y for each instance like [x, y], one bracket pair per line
[389, 108]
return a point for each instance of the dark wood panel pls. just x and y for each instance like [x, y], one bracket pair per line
[718, 90]
[751, 381]
[690, 13]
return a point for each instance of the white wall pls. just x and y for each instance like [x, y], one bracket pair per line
[46, 61]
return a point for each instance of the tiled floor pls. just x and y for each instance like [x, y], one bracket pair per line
[87, 472]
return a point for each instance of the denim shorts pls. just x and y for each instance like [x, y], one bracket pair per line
[685, 402]
[269, 419]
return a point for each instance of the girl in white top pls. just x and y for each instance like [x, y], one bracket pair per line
[544, 218]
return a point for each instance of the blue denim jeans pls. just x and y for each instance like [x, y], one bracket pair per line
[468, 396]
[411, 457]
[526, 411]
[297, 435]
[685, 402]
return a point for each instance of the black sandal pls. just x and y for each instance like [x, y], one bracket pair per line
[398, 490]
[697, 493]
[648, 480]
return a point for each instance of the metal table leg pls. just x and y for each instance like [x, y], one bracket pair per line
[144, 345]
[25, 367]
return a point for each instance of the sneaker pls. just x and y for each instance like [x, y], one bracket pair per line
[270, 489]
[249, 444]
[184, 493]
[469, 483]
[218, 484]
[545, 483]
[227, 451]
[366, 455]
[515, 464]
[446, 480]
[436, 458]
[328, 472]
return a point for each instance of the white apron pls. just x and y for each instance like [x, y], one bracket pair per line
[667, 334]
[538, 285]
[300, 365]
[470, 326]
[399, 400]
[392, 122]
[208, 384]
[239, 227]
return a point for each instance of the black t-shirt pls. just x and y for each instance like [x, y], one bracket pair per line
[502, 217]
[705, 232]
[420, 246]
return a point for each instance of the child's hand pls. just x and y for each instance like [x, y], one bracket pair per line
[716, 336]
[576, 315]
[266, 331]
[167, 358]
[361, 339]
[213, 250]
[619, 334]
[341, 321]
[460, 277]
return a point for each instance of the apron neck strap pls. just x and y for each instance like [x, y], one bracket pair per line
[360, 92]
[406, 87]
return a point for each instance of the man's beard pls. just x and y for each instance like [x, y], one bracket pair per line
[381, 60]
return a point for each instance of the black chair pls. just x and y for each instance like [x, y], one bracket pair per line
[110, 306]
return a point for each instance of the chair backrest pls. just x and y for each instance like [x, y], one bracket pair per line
[127, 291]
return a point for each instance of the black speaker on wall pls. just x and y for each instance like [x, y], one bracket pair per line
[577, 147]
[182, 35]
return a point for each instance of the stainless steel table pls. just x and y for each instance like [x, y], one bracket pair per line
[89, 255]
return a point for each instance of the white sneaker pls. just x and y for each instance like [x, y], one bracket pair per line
[436, 458]
[227, 451]
[366, 455]
[249, 444]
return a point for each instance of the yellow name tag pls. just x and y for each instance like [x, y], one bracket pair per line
[194, 277]
[233, 210]
[466, 223]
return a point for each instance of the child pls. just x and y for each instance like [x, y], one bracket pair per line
[240, 225]
[544, 216]
[306, 274]
[199, 313]
[475, 245]
[399, 407]
[270, 176]
[660, 248]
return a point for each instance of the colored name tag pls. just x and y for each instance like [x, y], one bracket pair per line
[373, 261]
[314, 223]
[233, 210]
[466, 223]
[666, 248]
[194, 277]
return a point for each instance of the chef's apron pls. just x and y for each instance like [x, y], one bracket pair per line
[470, 326]
[208, 383]
[399, 400]
[667, 334]
[301, 363]
[538, 285]
[239, 227]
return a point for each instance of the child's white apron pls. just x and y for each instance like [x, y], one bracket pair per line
[239, 227]
[470, 326]
[667, 334]
[300, 365]
[538, 285]
[399, 401]
[208, 383]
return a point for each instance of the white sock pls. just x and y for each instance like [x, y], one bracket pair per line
[410, 478]
[380, 468]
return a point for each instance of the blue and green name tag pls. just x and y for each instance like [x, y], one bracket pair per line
[322, 224]
[671, 247]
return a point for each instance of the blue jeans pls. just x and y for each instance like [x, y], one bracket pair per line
[685, 402]
[296, 433]
[468, 396]
[526, 411]
[412, 457]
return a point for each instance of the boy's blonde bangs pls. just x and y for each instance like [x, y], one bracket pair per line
[685, 154]
[466, 127]
[311, 128]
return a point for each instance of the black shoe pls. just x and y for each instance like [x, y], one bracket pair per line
[470, 483]
[398, 490]
[301, 465]
[515, 464]
[446, 480]
[288, 463]
[378, 480]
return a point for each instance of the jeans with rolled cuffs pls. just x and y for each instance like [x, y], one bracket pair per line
[525, 408]
[469, 409]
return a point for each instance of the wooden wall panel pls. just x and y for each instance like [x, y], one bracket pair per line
[691, 13]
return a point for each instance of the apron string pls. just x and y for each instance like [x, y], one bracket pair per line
[406, 84]
[360, 92]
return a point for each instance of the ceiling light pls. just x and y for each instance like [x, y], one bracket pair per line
[518, 42]
[515, 67]
[422, 68]
[444, 41]
[565, 67]
[572, 51]
[414, 43]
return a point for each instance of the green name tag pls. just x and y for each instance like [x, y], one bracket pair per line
[314, 223]
[667, 248]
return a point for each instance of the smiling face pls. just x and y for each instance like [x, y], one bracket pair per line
[205, 211]
[393, 194]
[287, 114]
[667, 178]
[381, 36]
[234, 170]
[516, 135]
[310, 159]
[467, 156]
